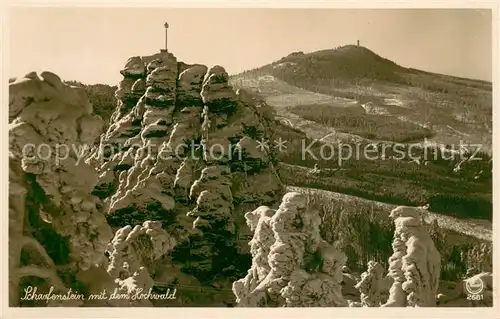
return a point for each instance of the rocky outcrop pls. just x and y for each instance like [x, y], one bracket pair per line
[259, 222]
[303, 270]
[186, 153]
[181, 173]
[473, 291]
[55, 228]
[415, 264]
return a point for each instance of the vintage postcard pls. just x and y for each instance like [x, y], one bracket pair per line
[197, 158]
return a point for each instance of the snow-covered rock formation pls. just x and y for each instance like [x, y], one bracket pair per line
[184, 150]
[183, 172]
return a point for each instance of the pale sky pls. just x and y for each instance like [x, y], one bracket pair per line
[91, 45]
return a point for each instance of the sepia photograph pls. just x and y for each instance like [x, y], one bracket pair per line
[250, 157]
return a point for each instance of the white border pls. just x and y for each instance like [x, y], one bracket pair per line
[248, 312]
